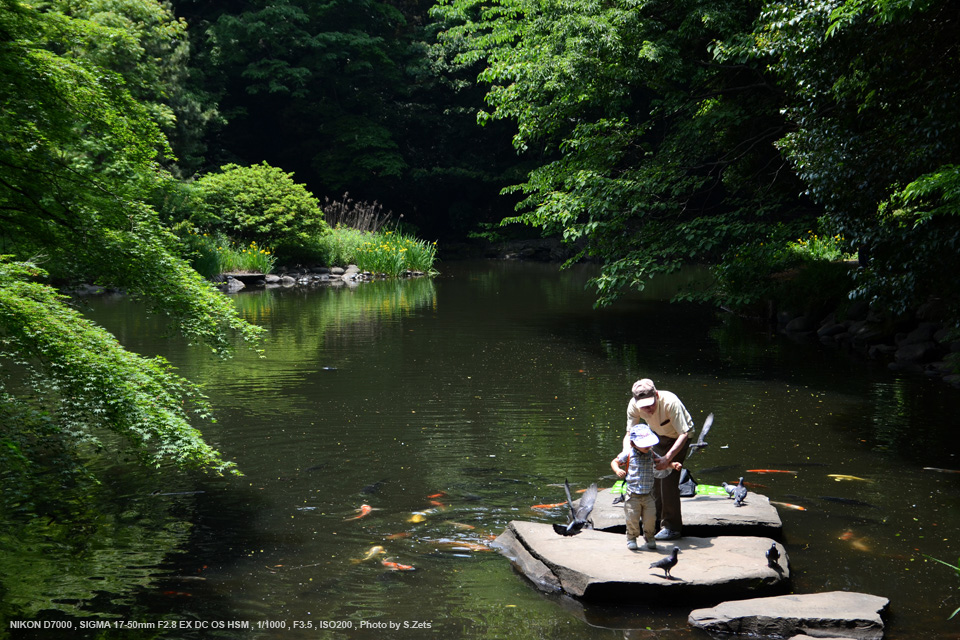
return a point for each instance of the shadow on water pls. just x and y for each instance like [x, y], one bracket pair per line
[404, 424]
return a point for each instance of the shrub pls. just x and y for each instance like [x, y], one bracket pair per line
[257, 203]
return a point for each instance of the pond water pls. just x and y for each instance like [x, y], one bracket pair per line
[451, 406]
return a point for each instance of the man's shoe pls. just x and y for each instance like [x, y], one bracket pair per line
[632, 545]
[667, 534]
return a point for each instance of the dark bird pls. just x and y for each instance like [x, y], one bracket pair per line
[370, 489]
[699, 444]
[739, 493]
[579, 516]
[666, 563]
[773, 556]
[729, 488]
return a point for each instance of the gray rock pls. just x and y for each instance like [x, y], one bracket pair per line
[703, 515]
[839, 613]
[271, 278]
[830, 330]
[537, 572]
[917, 352]
[800, 325]
[337, 271]
[232, 284]
[595, 565]
[923, 333]
[287, 281]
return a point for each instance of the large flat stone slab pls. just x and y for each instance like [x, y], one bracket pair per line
[839, 614]
[703, 515]
[596, 565]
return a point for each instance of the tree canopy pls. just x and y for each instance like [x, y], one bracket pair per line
[80, 157]
[688, 131]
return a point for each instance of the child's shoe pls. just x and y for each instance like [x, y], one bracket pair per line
[651, 544]
[632, 545]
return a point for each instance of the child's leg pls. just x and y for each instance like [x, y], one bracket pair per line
[648, 515]
[632, 511]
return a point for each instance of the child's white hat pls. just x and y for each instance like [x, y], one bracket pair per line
[642, 436]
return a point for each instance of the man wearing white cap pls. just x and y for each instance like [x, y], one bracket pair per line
[670, 420]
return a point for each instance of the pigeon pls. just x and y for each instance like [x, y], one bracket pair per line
[729, 488]
[773, 556]
[699, 444]
[739, 493]
[666, 563]
[580, 516]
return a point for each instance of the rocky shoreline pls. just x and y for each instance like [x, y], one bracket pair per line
[302, 276]
[919, 343]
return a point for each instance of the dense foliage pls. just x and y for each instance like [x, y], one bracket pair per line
[649, 134]
[703, 130]
[660, 154]
[258, 203]
[79, 159]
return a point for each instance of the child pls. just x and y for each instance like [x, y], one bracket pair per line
[639, 506]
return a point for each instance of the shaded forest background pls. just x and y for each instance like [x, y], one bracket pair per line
[807, 152]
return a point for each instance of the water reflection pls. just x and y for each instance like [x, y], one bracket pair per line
[451, 406]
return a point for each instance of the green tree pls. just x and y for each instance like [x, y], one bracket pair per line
[261, 203]
[872, 90]
[656, 152]
[78, 160]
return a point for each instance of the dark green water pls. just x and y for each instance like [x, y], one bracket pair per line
[484, 388]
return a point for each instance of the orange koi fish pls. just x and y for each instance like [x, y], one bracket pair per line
[364, 510]
[437, 503]
[396, 566]
[548, 506]
[397, 536]
[770, 471]
[787, 505]
[438, 494]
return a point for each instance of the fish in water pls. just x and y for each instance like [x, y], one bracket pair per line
[364, 510]
[396, 566]
[850, 501]
[461, 545]
[857, 542]
[460, 525]
[439, 494]
[666, 563]
[770, 471]
[371, 553]
[839, 477]
[773, 556]
[720, 469]
[787, 505]
[939, 470]
[420, 516]
[739, 493]
[579, 516]
[398, 536]
[552, 505]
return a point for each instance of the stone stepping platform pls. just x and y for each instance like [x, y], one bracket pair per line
[596, 565]
[837, 614]
[703, 515]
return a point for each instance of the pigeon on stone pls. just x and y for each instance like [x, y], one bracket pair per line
[579, 516]
[666, 563]
[729, 488]
[773, 556]
[739, 493]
